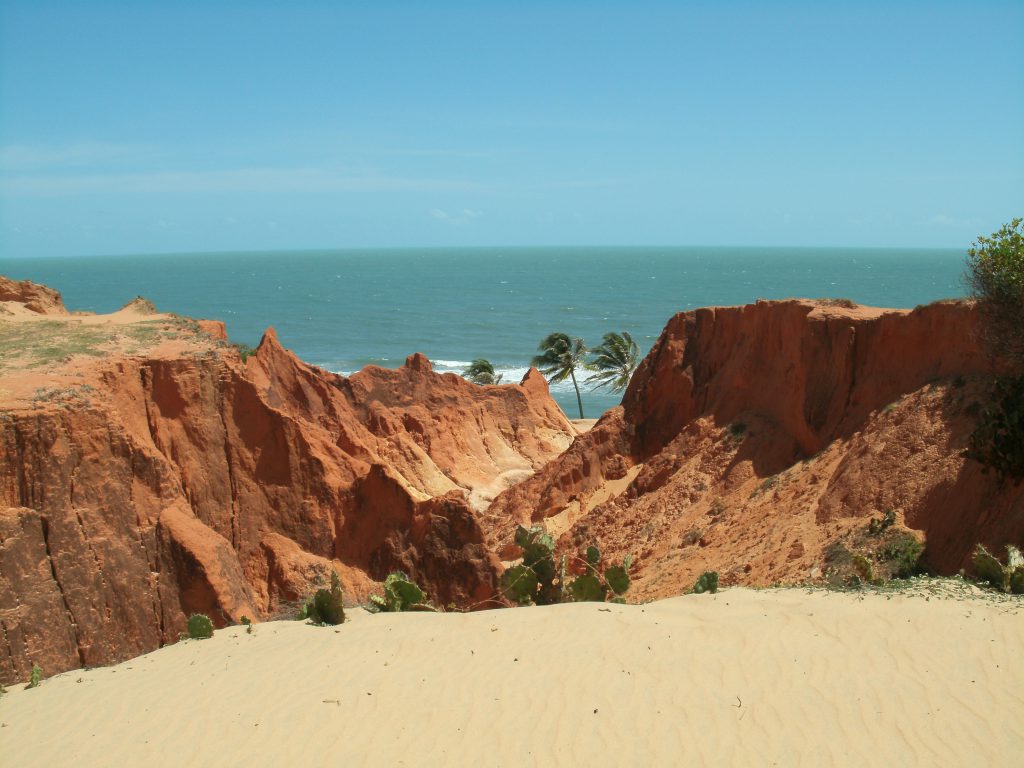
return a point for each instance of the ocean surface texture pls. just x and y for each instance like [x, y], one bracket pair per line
[343, 310]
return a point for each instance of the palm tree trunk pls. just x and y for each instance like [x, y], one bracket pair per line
[579, 400]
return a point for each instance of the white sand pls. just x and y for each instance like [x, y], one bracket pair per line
[780, 677]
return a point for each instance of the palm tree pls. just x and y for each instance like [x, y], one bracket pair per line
[481, 371]
[559, 358]
[614, 360]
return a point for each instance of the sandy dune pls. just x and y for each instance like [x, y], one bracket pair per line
[781, 677]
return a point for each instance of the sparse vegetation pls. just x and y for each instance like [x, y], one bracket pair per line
[400, 594]
[244, 350]
[876, 555]
[845, 303]
[326, 606]
[878, 525]
[538, 580]
[998, 440]
[995, 278]
[1006, 578]
[706, 582]
[247, 623]
[45, 342]
[737, 430]
[200, 627]
[35, 677]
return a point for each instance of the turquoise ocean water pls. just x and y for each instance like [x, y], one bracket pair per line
[346, 309]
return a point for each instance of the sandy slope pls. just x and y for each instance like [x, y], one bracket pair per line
[782, 677]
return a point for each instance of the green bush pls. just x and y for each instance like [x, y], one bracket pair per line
[706, 582]
[995, 278]
[400, 594]
[35, 677]
[998, 440]
[247, 623]
[326, 607]
[1007, 578]
[538, 580]
[902, 552]
[199, 627]
[244, 350]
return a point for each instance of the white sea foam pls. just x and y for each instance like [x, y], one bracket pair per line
[460, 364]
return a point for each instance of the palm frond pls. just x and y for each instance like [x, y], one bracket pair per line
[614, 359]
[480, 371]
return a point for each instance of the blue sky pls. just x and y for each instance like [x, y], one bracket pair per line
[139, 128]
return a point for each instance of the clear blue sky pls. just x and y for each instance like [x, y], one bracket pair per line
[138, 127]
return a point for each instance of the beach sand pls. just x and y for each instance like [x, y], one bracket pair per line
[776, 677]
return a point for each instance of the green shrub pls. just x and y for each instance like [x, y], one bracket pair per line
[1009, 577]
[400, 594]
[998, 440]
[326, 607]
[199, 627]
[877, 526]
[247, 623]
[534, 580]
[902, 552]
[35, 677]
[538, 580]
[244, 350]
[593, 586]
[706, 582]
[995, 277]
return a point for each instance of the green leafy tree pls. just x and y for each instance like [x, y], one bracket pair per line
[481, 371]
[559, 358]
[614, 361]
[995, 277]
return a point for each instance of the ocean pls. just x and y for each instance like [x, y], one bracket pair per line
[344, 309]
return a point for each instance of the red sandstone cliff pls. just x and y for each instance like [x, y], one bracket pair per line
[179, 479]
[756, 440]
[148, 482]
[33, 297]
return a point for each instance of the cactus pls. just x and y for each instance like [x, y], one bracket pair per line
[592, 586]
[200, 627]
[35, 677]
[706, 582]
[326, 606]
[538, 580]
[1007, 578]
[400, 594]
[519, 584]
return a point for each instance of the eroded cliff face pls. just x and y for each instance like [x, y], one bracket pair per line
[148, 472]
[179, 479]
[760, 440]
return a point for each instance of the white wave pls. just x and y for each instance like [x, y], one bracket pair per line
[451, 363]
[510, 374]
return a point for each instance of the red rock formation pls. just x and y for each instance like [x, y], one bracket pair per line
[837, 414]
[191, 482]
[36, 298]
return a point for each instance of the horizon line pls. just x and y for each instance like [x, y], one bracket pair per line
[356, 248]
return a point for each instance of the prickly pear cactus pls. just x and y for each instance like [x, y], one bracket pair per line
[587, 589]
[400, 594]
[519, 584]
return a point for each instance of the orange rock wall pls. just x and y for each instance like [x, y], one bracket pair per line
[837, 414]
[202, 484]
